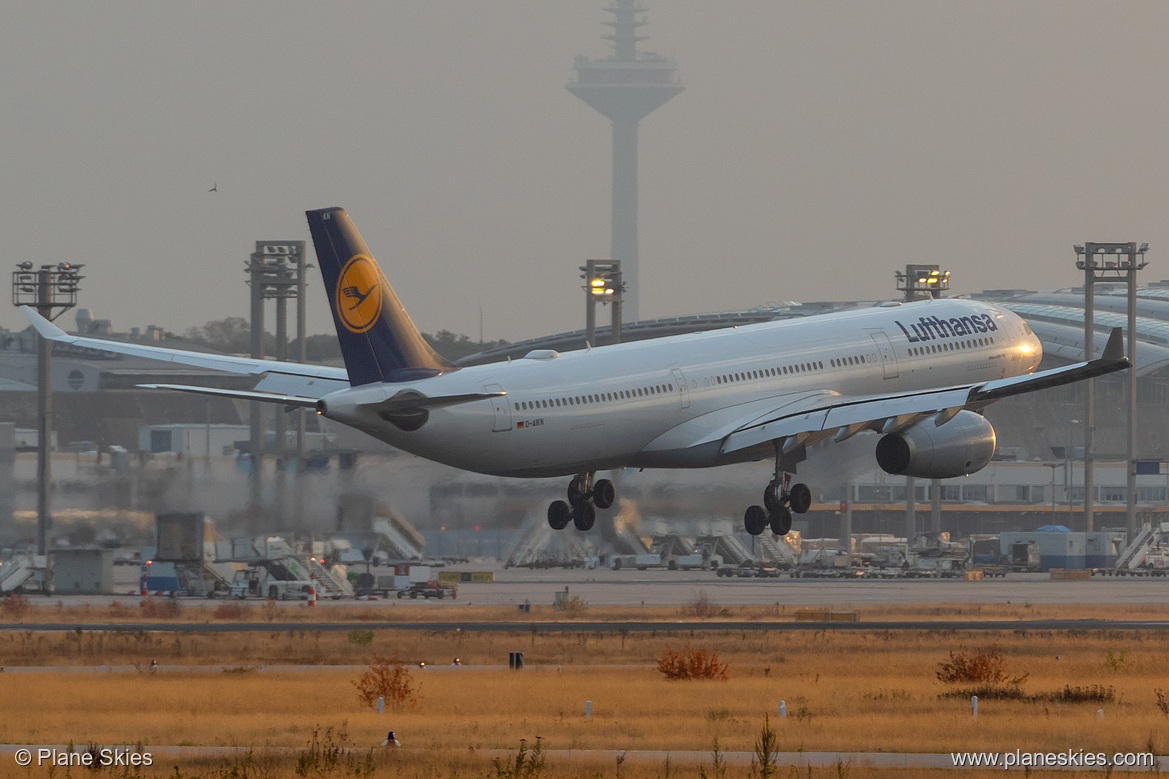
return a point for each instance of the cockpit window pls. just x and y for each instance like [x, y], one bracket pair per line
[1027, 329]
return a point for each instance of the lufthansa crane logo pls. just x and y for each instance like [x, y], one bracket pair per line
[358, 299]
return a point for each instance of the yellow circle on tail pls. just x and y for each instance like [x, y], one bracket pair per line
[358, 297]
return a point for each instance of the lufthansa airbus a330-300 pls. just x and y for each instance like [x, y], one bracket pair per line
[918, 374]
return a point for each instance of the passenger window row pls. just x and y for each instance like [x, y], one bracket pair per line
[588, 400]
[949, 346]
[783, 370]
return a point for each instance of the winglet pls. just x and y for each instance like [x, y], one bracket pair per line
[1114, 349]
[43, 326]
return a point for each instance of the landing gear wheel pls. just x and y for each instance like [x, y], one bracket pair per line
[755, 520]
[604, 493]
[584, 516]
[781, 521]
[800, 498]
[558, 515]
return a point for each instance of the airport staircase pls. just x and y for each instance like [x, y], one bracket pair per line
[533, 538]
[20, 570]
[398, 542]
[328, 584]
[190, 576]
[1134, 553]
[673, 546]
[626, 541]
[199, 579]
[538, 544]
[729, 548]
[776, 549]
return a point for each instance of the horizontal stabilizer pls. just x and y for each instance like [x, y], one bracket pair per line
[263, 397]
[409, 399]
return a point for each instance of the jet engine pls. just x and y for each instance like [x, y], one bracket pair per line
[959, 447]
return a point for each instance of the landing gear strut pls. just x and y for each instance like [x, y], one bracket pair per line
[780, 499]
[584, 498]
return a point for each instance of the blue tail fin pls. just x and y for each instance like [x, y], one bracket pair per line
[378, 340]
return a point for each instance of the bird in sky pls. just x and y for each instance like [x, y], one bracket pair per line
[214, 187]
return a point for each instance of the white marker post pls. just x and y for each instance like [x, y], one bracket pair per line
[974, 706]
[588, 709]
[381, 705]
[783, 708]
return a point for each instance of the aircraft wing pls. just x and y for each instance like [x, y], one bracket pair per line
[825, 414]
[279, 377]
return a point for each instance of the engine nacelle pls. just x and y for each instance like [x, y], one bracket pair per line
[959, 447]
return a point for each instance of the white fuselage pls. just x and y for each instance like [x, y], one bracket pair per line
[646, 403]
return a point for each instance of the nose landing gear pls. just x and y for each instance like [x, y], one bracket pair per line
[584, 498]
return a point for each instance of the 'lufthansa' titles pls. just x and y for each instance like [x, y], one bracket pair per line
[932, 327]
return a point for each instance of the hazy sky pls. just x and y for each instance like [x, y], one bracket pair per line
[817, 147]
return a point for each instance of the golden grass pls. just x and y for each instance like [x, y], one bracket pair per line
[870, 691]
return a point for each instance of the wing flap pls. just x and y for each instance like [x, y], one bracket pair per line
[844, 413]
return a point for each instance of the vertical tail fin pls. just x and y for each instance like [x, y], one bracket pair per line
[378, 339]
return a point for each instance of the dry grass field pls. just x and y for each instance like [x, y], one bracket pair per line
[868, 691]
[39, 610]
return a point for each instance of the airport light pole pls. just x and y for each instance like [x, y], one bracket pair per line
[51, 290]
[1053, 466]
[276, 271]
[922, 282]
[604, 285]
[1111, 262]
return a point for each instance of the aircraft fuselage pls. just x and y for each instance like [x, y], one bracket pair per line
[646, 403]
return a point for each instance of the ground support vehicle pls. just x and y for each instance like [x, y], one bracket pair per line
[430, 589]
[257, 581]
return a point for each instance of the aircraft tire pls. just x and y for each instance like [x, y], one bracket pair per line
[800, 498]
[558, 515]
[584, 517]
[755, 520]
[781, 521]
[604, 493]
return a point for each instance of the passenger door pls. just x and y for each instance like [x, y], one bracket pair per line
[502, 407]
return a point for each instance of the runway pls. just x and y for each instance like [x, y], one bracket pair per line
[582, 626]
[603, 587]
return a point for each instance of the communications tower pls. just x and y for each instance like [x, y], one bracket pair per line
[625, 87]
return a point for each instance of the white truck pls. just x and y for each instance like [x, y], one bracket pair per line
[257, 582]
[639, 561]
[696, 561]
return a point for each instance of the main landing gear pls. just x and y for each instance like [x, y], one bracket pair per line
[584, 498]
[780, 500]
